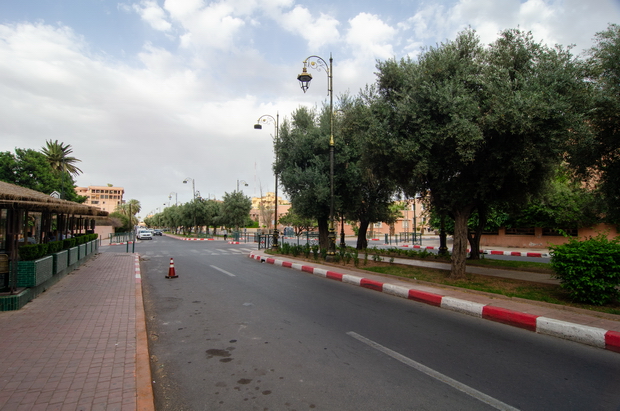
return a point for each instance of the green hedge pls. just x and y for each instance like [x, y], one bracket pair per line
[32, 252]
[590, 269]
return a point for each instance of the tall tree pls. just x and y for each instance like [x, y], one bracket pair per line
[364, 197]
[474, 126]
[303, 167]
[598, 158]
[235, 209]
[57, 155]
[130, 209]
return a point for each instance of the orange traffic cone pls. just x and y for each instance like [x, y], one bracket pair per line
[171, 273]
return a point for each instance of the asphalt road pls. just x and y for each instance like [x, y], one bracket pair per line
[233, 334]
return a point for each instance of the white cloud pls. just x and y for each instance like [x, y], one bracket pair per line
[316, 31]
[150, 12]
[214, 26]
[551, 21]
[371, 36]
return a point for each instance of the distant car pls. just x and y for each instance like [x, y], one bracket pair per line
[144, 235]
[157, 232]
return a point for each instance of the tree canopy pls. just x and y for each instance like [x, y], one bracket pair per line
[597, 159]
[31, 169]
[474, 126]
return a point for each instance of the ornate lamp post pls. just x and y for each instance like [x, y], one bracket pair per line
[194, 198]
[265, 119]
[304, 78]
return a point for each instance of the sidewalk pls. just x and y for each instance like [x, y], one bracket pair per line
[81, 345]
[588, 327]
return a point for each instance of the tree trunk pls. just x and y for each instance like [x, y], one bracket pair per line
[362, 241]
[474, 236]
[323, 233]
[459, 248]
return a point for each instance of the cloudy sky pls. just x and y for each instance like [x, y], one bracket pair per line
[150, 92]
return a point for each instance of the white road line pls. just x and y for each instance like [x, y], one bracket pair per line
[497, 404]
[223, 271]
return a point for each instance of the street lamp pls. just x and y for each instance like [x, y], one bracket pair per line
[241, 181]
[266, 119]
[304, 78]
[194, 198]
[176, 200]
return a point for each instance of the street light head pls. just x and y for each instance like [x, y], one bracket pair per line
[258, 127]
[304, 79]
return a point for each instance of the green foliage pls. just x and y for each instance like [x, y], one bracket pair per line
[29, 168]
[30, 252]
[54, 246]
[589, 269]
[57, 155]
[235, 209]
[69, 243]
[303, 166]
[598, 156]
[475, 126]
[315, 251]
[297, 221]
[285, 248]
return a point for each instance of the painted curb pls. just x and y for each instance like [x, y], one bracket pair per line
[597, 337]
[188, 239]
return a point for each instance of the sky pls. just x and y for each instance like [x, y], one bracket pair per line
[149, 93]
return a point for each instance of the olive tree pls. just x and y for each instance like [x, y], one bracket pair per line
[474, 126]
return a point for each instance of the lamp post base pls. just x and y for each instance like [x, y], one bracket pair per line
[275, 245]
[331, 246]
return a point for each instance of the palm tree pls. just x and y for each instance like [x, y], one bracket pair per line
[130, 209]
[58, 157]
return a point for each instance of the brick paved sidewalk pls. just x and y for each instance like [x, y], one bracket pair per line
[81, 345]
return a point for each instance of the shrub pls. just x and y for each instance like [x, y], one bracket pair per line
[315, 251]
[68, 243]
[590, 269]
[285, 248]
[54, 246]
[29, 252]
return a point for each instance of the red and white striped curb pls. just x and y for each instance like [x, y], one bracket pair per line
[597, 337]
[518, 253]
[492, 252]
[234, 242]
[188, 239]
[136, 265]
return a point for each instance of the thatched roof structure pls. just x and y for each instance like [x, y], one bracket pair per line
[16, 197]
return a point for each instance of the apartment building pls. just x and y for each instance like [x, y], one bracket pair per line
[103, 197]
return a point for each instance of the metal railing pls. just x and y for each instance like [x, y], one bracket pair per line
[264, 241]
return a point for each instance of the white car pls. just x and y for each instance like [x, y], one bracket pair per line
[144, 235]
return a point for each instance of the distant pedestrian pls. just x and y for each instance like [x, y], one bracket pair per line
[225, 234]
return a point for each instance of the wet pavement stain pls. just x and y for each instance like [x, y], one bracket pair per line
[214, 352]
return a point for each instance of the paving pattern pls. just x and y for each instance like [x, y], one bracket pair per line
[74, 347]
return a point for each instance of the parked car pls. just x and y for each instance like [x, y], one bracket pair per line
[157, 232]
[144, 235]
